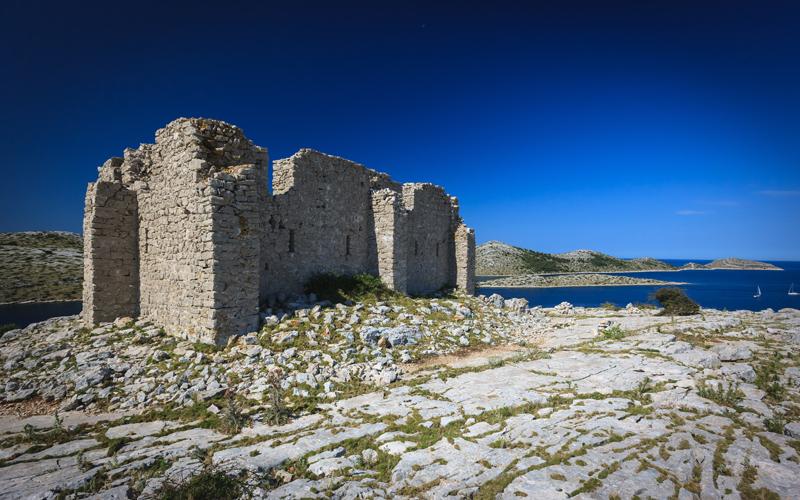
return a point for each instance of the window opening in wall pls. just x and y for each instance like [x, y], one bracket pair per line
[416, 248]
[437, 248]
[291, 241]
[347, 245]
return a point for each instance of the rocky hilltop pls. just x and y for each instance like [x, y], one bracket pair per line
[40, 266]
[496, 258]
[455, 397]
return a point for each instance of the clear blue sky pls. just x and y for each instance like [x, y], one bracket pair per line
[668, 129]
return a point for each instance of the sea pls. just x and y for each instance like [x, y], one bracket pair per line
[718, 289]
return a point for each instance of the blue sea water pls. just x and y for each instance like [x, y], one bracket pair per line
[718, 289]
[24, 314]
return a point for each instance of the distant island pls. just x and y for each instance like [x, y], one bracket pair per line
[496, 258]
[734, 264]
[570, 280]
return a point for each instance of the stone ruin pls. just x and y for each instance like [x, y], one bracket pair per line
[185, 233]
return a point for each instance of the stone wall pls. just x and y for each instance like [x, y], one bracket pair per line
[319, 220]
[391, 234]
[429, 238]
[465, 258]
[238, 202]
[196, 187]
[184, 231]
[111, 264]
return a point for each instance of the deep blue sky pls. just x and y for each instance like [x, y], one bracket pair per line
[668, 129]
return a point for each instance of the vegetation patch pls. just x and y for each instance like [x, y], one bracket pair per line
[720, 467]
[746, 489]
[768, 378]
[7, 327]
[341, 288]
[729, 395]
[614, 332]
[209, 483]
[675, 302]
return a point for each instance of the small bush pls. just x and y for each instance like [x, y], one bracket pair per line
[232, 419]
[726, 396]
[610, 306]
[7, 327]
[675, 302]
[339, 288]
[768, 378]
[643, 390]
[116, 444]
[614, 332]
[277, 413]
[208, 484]
[776, 424]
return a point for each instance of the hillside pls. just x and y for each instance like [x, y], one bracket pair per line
[40, 266]
[497, 258]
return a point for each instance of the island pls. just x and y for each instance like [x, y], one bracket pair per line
[733, 264]
[500, 260]
[570, 280]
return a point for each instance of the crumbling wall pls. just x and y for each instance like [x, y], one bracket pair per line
[110, 271]
[318, 221]
[193, 255]
[465, 258]
[238, 206]
[429, 237]
[185, 233]
[391, 235]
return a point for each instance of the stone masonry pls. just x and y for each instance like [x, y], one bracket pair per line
[185, 232]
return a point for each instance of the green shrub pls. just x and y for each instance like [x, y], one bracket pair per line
[339, 288]
[675, 302]
[277, 413]
[776, 424]
[614, 332]
[232, 418]
[208, 484]
[720, 394]
[610, 306]
[7, 327]
[768, 377]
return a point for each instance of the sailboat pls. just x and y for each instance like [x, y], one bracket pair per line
[758, 293]
[791, 290]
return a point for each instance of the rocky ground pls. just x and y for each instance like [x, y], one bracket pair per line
[567, 280]
[453, 397]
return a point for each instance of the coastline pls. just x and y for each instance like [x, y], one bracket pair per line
[572, 281]
[665, 283]
[566, 273]
[42, 302]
